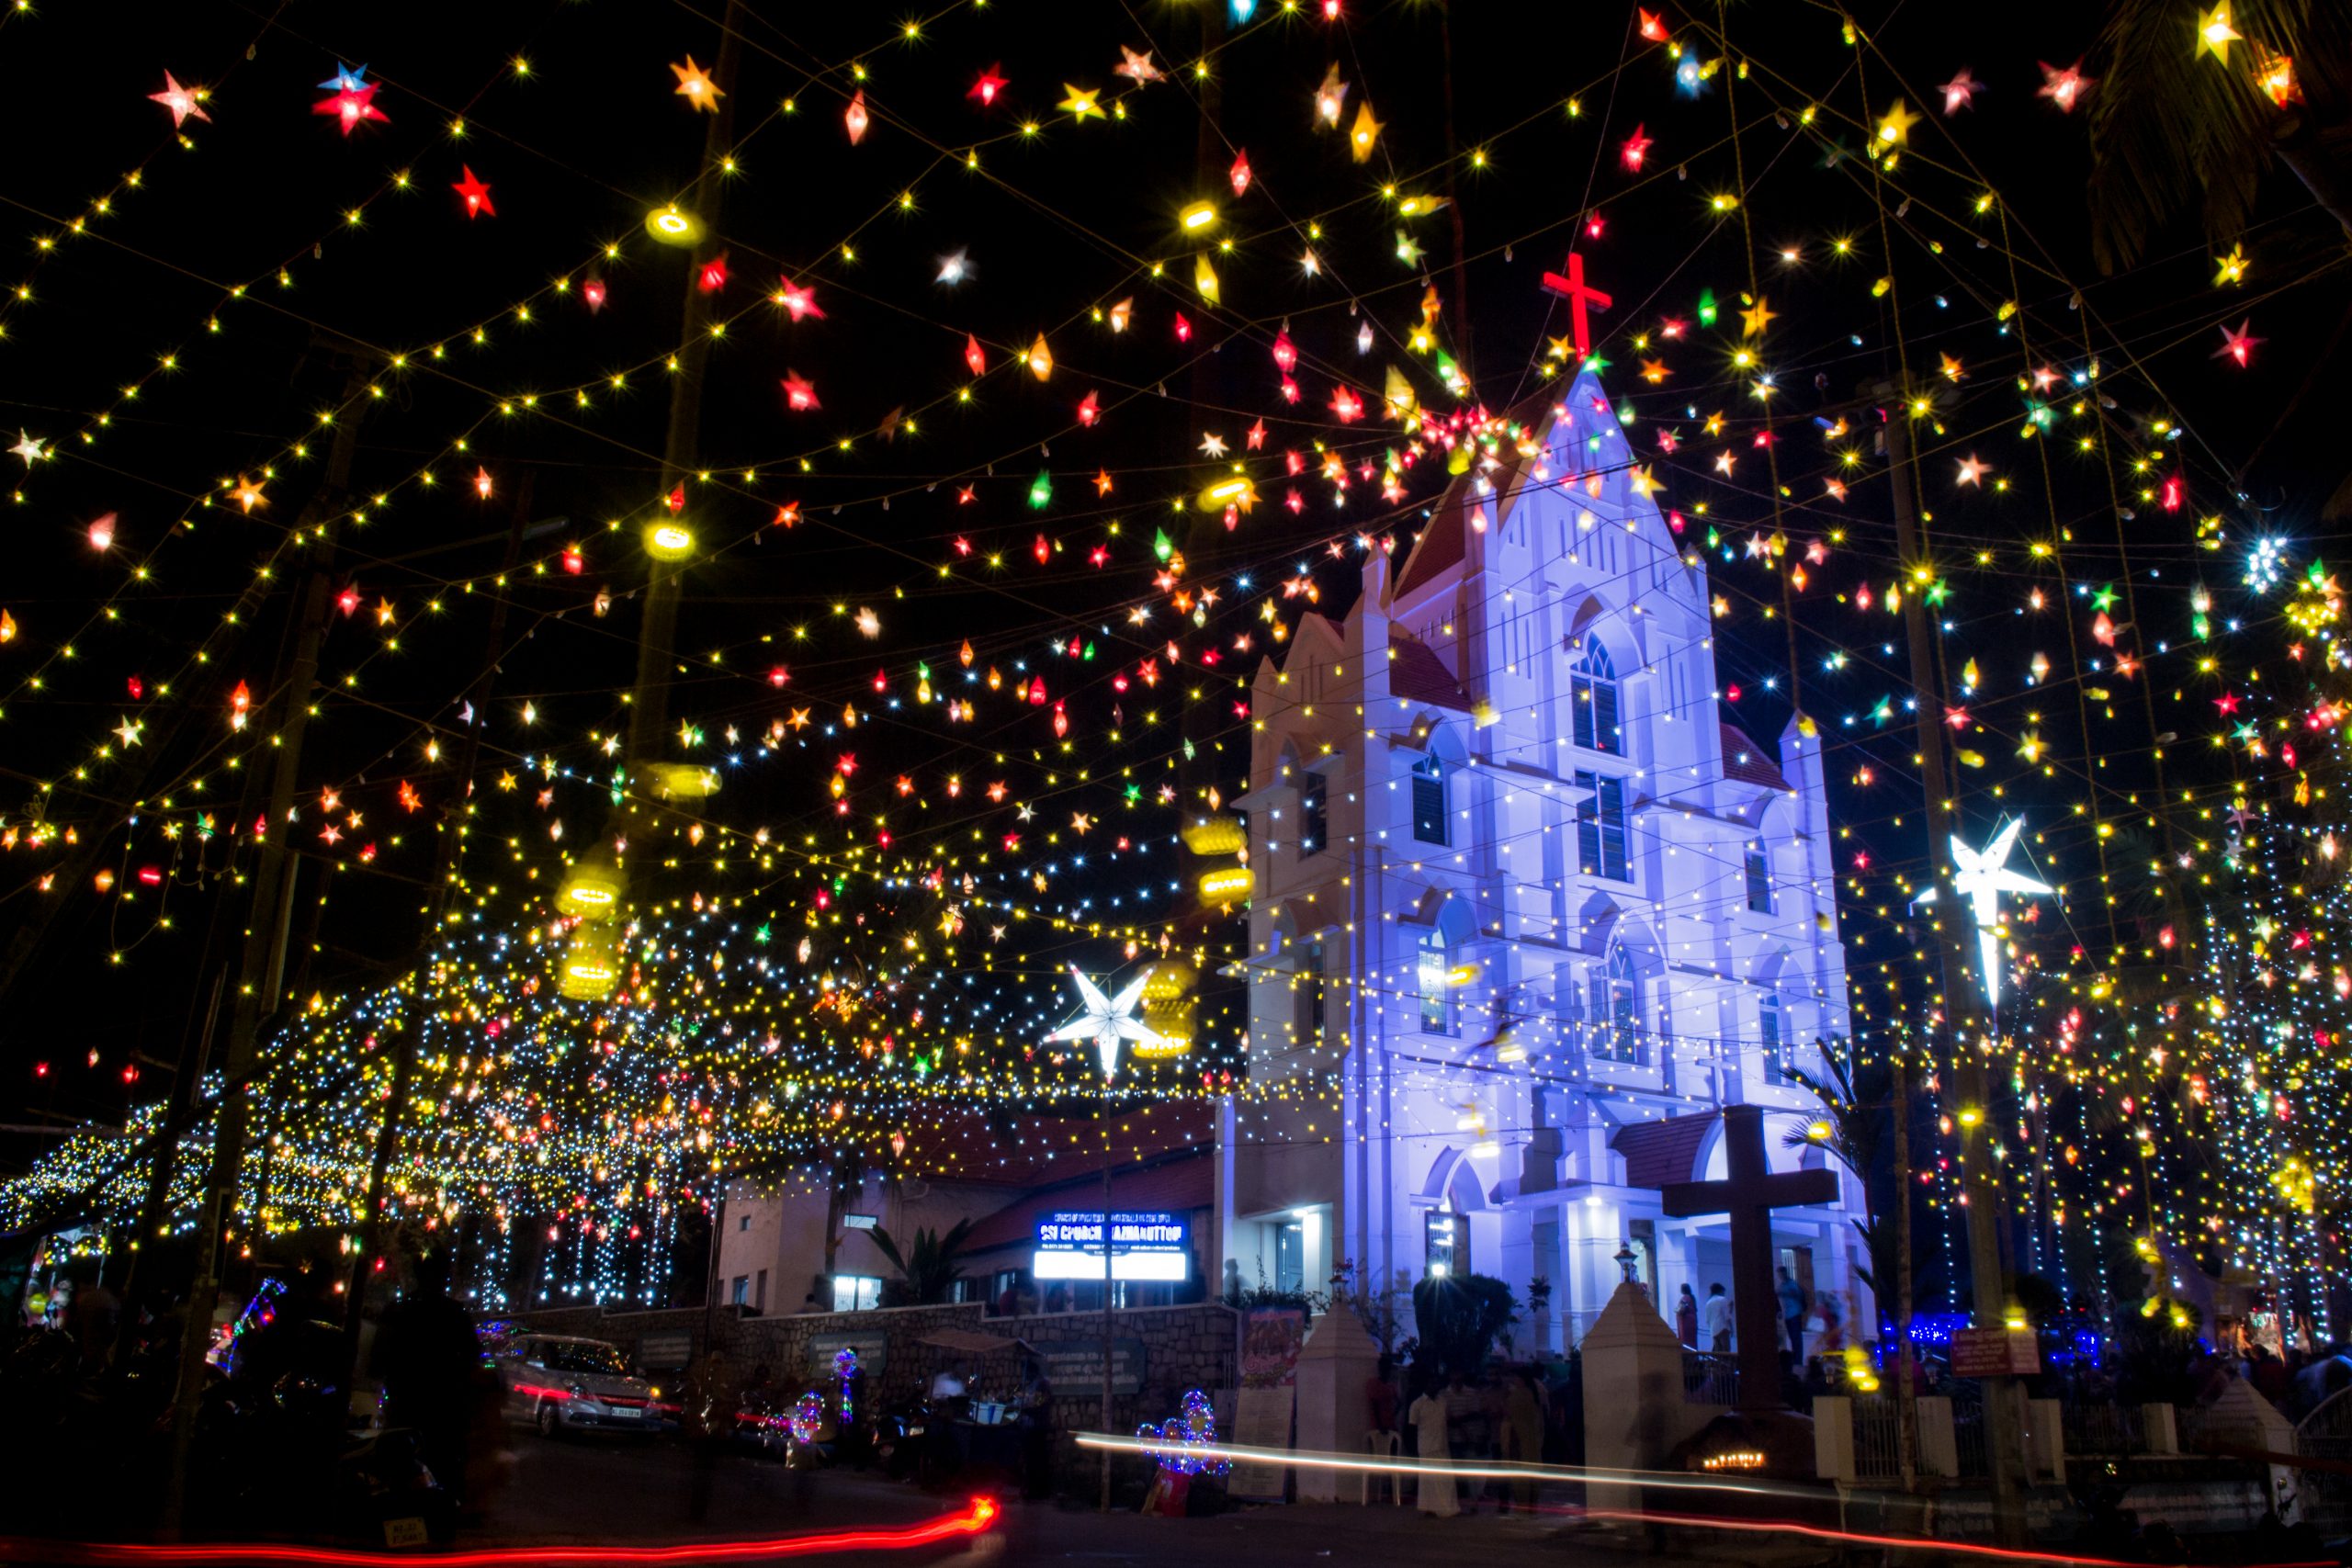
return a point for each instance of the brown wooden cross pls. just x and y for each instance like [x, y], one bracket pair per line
[1578, 293]
[1749, 1193]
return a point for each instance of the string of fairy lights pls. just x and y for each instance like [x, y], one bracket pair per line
[1042, 712]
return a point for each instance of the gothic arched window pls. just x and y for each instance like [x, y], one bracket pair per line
[1434, 972]
[1428, 800]
[1592, 700]
[1615, 1026]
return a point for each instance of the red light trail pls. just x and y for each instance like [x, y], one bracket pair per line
[973, 1521]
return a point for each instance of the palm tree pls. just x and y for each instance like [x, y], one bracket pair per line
[1856, 1132]
[2174, 131]
[928, 1267]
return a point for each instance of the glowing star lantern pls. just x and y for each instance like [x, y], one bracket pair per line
[1981, 876]
[594, 294]
[1653, 25]
[695, 86]
[1331, 97]
[1137, 67]
[673, 225]
[668, 541]
[352, 105]
[1079, 102]
[854, 117]
[1240, 173]
[1285, 352]
[1204, 277]
[799, 300]
[1107, 1021]
[1347, 406]
[2065, 88]
[1041, 359]
[713, 277]
[1894, 130]
[1041, 492]
[1959, 92]
[986, 88]
[1364, 135]
[799, 395]
[2239, 344]
[1120, 315]
[1636, 147]
[182, 101]
[474, 194]
[102, 533]
[2214, 34]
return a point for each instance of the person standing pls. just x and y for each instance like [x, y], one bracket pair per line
[1432, 1486]
[1686, 1319]
[1523, 1416]
[426, 1354]
[1793, 1305]
[1716, 1319]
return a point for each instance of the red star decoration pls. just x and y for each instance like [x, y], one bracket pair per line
[475, 194]
[355, 107]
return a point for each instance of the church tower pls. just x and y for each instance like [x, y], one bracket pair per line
[1528, 910]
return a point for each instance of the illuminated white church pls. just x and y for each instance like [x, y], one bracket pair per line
[1528, 910]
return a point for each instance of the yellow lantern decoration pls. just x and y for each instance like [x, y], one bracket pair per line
[683, 781]
[1169, 1008]
[1226, 883]
[1237, 491]
[674, 225]
[1201, 215]
[592, 891]
[668, 541]
[1214, 836]
[591, 965]
[1204, 277]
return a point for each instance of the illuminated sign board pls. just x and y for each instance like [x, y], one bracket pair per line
[1152, 1246]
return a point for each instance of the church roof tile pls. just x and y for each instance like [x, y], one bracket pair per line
[1743, 759]
[1418, 675]
[1662, 1152]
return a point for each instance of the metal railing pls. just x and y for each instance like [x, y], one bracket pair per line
[1878, 1439]
[2103, 1429]
[1709, 1378]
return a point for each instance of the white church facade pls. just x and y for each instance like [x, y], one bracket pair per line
[1528, 912]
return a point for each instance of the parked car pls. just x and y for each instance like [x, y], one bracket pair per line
[561, 1382]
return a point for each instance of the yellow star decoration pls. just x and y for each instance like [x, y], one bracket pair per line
[695, 86]
[2214, 34]
[1647, 482]
[1364, 133]
[2231, 267]
[1952, 370]
[1894, 130]
[248, 495]
[1753, 319]
[1080, 102]
[1561, 346]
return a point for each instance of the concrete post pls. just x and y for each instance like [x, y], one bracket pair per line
[1833, 1438]
[1337, 1360]
[2160, 1428]
[1633, 1407]
[2045, 1442]
[1938, 1439]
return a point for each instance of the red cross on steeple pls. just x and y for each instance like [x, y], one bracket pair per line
[1574, 290]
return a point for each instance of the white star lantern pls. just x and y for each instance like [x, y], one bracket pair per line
[1981, 876]
[1107, 1021]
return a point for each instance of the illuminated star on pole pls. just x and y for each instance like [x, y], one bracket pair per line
[1981, 876]
[1106, 1020]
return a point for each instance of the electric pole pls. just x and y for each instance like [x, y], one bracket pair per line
[263, 961]
[2003, 1418]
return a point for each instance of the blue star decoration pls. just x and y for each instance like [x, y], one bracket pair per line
[346, 80]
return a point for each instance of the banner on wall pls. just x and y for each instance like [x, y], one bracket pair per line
[1270, 1338]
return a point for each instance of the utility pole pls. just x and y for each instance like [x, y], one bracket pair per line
[649, 716]
[448, 854]
[263, 957]
[1107, 1272]
[1906, 1407]
[2003, 1418]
